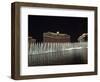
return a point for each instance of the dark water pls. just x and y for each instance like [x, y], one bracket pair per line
[66, 57]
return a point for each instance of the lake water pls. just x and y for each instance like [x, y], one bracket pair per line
[63, 57]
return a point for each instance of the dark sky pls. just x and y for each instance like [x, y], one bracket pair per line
[73, 26]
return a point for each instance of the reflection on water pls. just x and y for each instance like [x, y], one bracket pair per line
[57, 54]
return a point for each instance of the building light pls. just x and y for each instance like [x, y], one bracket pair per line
[57, 32]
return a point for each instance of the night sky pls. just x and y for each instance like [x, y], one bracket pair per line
[73, 26]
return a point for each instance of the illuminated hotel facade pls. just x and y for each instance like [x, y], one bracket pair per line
[55, 37]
